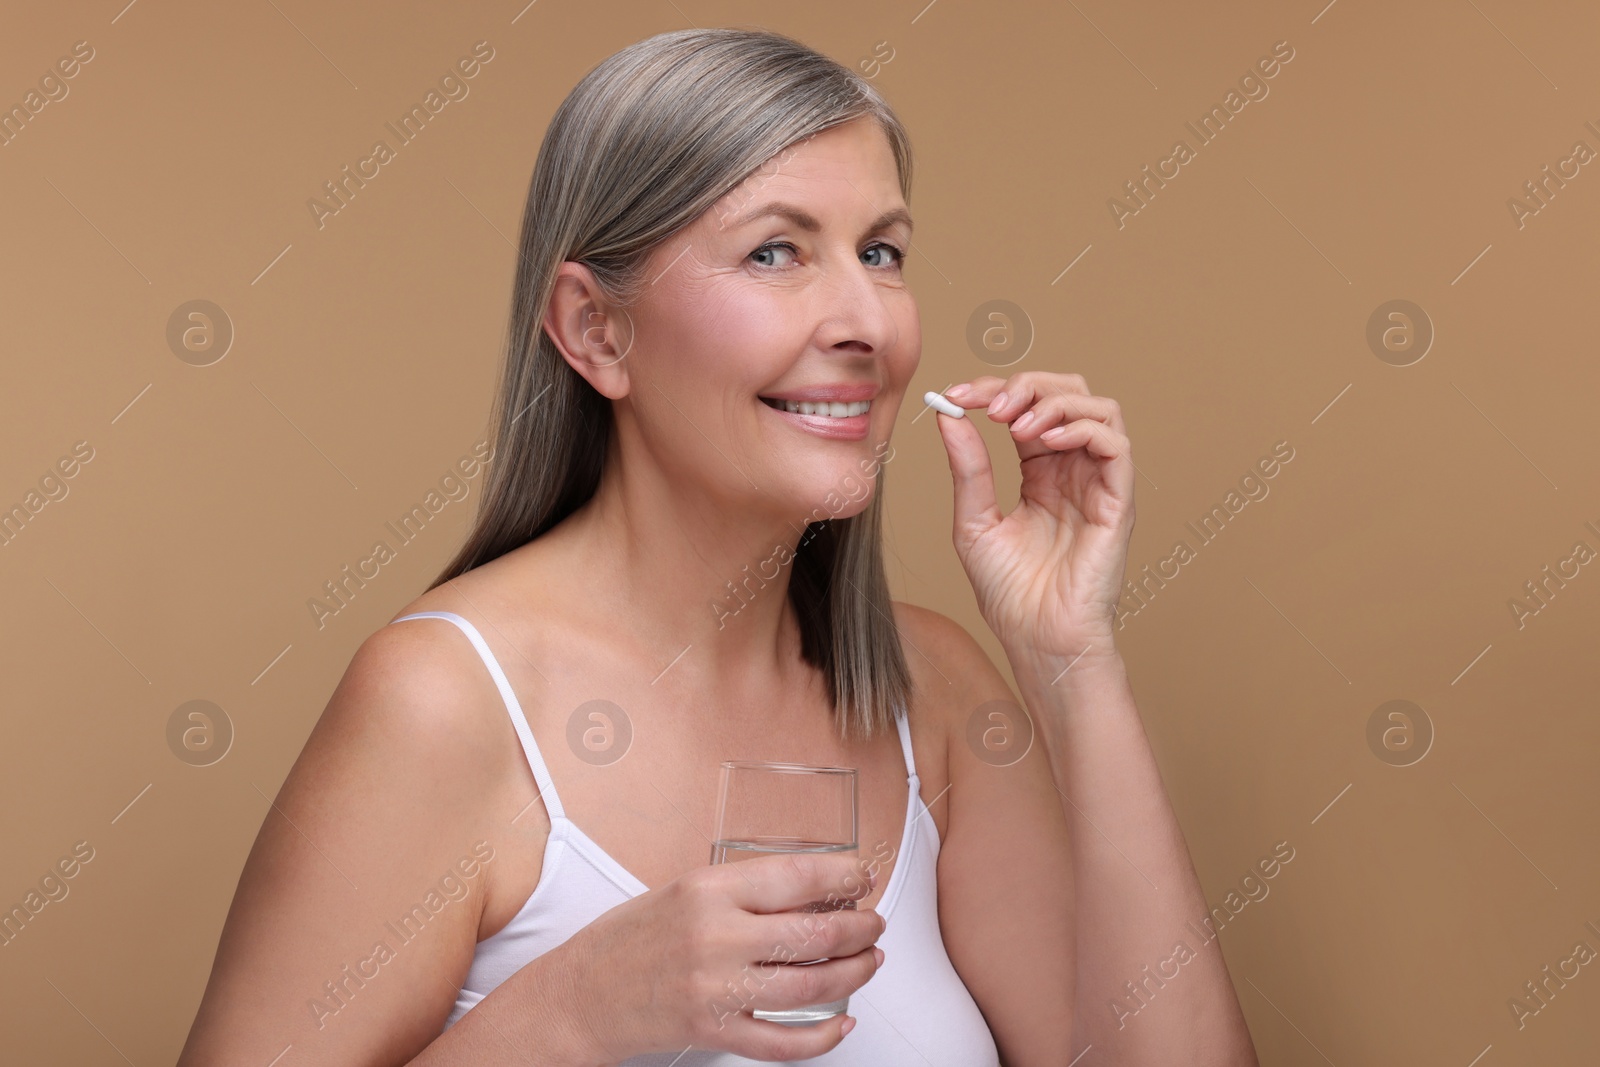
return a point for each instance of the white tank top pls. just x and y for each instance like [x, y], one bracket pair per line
[914, 1011]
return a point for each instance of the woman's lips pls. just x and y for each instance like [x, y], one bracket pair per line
[853, 428]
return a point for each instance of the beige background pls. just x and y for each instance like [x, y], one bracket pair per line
[1228, 315]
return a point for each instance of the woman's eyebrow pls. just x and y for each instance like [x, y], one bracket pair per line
[808, 222]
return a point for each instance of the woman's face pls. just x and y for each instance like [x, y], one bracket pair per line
[791, 289]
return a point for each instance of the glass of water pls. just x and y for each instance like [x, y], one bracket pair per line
[764, 808]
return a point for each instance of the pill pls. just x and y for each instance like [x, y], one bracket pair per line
[938, 403]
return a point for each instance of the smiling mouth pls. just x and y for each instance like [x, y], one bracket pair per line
[828, 409]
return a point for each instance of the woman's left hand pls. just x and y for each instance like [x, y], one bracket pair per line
[1047, 576]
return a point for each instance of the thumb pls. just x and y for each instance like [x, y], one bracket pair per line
[973, 475]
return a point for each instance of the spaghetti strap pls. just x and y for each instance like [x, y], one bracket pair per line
[530, 748]
[905, 741]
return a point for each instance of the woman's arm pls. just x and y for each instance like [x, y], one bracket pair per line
[524, 1020]
[359, 907]
[1149, 987]
[1006, 881]
[1048, 577]
[1067, 940]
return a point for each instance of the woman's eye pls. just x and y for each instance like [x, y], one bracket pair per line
[772, 249]
[899, 256]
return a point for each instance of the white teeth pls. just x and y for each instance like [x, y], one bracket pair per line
[831, 409]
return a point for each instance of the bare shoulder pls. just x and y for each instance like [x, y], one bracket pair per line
[378, 835]
[945, 655]
[424, 678]
[937, 627]
[953, 680]
[414, 695]
[992, 757]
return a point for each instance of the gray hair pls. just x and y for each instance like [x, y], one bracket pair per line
[647, 142]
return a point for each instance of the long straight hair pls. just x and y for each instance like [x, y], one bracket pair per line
[648, 141]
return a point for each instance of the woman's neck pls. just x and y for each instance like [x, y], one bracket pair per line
[689, 571]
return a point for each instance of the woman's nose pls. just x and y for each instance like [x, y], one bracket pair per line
[856, 309]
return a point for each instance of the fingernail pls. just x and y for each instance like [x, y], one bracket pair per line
[1022, 420]
[958, 390]
[849, 1024]
[878, 953]
[998, 402]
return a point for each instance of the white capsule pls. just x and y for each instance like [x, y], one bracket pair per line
[937, 402]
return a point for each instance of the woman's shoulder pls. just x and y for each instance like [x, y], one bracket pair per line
[424, 678]
[426, 675]
[918, 621]
[477, 597]
[953, 675]
[940, 646]
[502, 613]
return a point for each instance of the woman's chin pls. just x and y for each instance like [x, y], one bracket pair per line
[847, 495]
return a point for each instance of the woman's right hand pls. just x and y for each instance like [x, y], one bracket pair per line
[685, 964]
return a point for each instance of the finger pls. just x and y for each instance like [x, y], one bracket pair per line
[790, 880]
[1091, 434]
[1102, 442]
[812, 936]
[1055, 409]
[976, 392]
[1005, 398]
[973, 476]
[783, 987]
[759, 1039]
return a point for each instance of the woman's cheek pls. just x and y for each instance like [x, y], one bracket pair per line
[911, 330]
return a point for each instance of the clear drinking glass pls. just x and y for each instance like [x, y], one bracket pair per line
[764, 808]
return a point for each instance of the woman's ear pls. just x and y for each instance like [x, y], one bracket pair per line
[591, 334]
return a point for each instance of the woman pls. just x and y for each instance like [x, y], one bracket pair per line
[714, 236]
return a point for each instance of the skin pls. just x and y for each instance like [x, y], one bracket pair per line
[413, 760]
